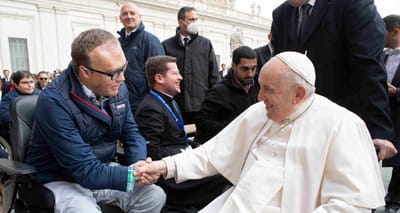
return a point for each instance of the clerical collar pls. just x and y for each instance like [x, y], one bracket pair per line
[302, 108]
[165, 96]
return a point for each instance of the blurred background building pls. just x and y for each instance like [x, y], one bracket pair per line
[37, 34]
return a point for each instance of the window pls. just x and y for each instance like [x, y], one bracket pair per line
[19, 54]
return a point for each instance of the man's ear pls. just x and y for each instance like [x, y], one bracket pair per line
[300, 94]
[83, 72]
[396, 31]
[158, 78]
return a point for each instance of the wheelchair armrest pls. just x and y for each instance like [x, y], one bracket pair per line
[16, 168]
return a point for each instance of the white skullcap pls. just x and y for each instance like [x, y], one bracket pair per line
[300, 64]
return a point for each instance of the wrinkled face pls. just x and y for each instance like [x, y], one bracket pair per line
[26, 85]
[107, 58]
[245, 70]
[43, 79]
[130, 16]
[170, 82]
[190, 17]
[297, 3]
[276, 91]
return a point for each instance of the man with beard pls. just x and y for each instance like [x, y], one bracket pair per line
[230, 97]
[196, 62]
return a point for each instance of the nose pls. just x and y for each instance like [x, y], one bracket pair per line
[121, 77]
[180, 77]
[260, 96]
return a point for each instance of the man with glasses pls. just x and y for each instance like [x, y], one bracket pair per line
[42, 80]
[24, 85]
[78, 120]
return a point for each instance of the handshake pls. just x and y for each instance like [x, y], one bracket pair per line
[148, 171]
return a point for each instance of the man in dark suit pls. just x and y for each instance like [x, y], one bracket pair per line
[160, 122]
[264, 53]
[6, 81]
[392, 65]
[344, 39]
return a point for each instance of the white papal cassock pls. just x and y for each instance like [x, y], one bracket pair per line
[320, 159]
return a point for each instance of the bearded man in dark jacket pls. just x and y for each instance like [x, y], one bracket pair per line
[230, 97]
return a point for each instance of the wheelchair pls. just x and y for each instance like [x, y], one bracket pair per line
[27, 196]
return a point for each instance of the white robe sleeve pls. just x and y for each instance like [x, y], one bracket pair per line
[352, 180]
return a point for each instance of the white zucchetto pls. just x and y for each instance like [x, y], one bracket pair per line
[300, 64]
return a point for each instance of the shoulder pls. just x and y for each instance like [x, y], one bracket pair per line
[149, 102]
[324, 110]
[151, 37]
[202, 39]
[169, 40]
[280, 8]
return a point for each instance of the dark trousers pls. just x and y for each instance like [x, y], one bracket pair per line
[393, 196]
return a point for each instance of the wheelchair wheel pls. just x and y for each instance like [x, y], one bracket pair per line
[6, 147]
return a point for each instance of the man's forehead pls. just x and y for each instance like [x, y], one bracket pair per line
[108, 52]
[129, 7]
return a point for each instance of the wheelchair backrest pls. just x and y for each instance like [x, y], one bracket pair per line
[22, 111]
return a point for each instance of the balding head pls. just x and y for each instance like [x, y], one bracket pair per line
[130, 16]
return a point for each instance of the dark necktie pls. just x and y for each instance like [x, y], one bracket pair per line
[185, 41]
[305, 14]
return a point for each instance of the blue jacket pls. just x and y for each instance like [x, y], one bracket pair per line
[138, 47]
[5, 104]
[72, 138]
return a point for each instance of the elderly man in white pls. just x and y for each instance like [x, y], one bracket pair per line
[294, 151]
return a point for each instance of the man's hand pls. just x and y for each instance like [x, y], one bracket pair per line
[386, 149]
[144, 178]
[391, 89]
[150, 171]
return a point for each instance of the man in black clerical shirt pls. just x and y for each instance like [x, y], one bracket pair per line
[160, 122]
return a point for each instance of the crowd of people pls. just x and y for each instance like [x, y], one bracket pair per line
[297, 125]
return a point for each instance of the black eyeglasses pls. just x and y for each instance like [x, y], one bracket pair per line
[114, 74]
[43, 78]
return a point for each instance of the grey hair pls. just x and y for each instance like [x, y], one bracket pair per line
[296, 80]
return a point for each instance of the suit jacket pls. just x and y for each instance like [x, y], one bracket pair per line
[165, 139]
[159, 128]
[395, 115]
[344, 40]
[263, 55]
